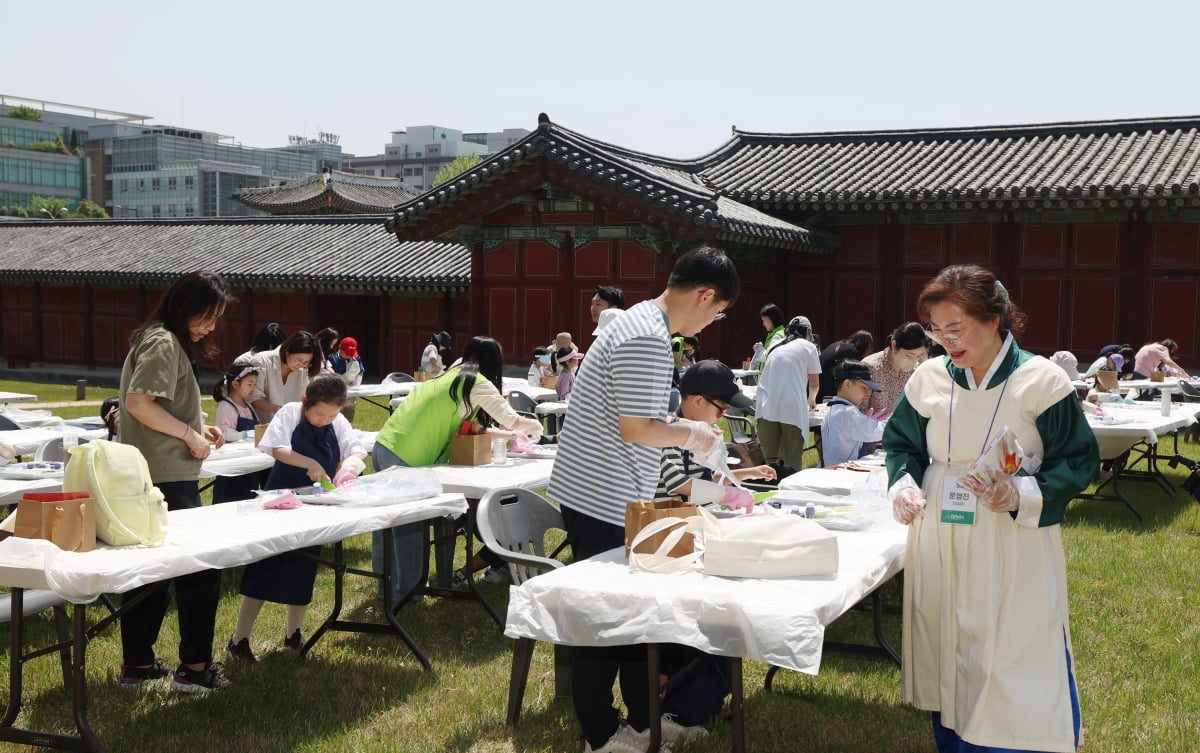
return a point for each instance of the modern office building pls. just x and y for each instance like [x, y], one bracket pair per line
[41, 157]
[417, 154]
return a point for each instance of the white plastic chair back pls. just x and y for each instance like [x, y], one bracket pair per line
[513, 524]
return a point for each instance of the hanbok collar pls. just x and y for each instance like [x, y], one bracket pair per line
[1007, 350]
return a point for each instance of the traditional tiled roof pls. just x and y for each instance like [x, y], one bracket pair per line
[349, 253]
[1114, 160]
[334, 191]
[675, 186]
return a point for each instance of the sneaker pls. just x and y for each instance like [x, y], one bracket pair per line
[673, 731]
[626, 740]
[497, 575]
[294, 641]
[458, 579]
[133, 677]
[200, 680]
[241, 650]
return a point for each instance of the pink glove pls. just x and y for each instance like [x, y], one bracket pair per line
[345, 478]
[736, 498]
[1000, 495]
[878, 414]
[705, 441]
[285, 501]
[907, 505]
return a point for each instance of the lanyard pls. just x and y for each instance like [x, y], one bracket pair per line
[995, 411]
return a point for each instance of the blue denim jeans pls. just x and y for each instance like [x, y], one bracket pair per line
[408, 543]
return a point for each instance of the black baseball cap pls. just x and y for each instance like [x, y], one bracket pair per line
[711, 378]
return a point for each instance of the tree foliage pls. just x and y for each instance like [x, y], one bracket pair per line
[89, 210]
[461, 164]
[55, 206]
[21, 112]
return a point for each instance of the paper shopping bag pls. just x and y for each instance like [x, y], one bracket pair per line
[470, 449]
[550, 382]
[641, 514]
[66, 519]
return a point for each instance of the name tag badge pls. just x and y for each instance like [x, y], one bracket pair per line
[958, 504]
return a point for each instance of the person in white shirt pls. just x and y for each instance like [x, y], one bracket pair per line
[787, 391]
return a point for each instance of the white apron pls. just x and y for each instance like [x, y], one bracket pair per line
[985, 632]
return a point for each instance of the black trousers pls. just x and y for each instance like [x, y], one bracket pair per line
[594, 668]
[196, 598]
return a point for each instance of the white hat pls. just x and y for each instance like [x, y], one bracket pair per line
[606, 317]
[1067, 362]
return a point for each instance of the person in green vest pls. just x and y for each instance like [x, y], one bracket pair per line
[418, 434]
[775, 324]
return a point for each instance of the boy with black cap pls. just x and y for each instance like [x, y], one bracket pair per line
[847, 431]
[707, 390]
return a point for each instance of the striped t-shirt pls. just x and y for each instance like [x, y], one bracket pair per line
[627, 372]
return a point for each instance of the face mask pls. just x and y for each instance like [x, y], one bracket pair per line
[544, 359]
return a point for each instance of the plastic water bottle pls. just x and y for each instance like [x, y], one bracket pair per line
[1165, 403]
[499, 451]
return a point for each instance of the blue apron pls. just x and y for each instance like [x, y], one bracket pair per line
[232, 488]
[288, 578]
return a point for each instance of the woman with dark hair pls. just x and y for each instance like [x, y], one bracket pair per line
[891, 367]
[987, 647]
[160, 415]
[267, 338]
[418, 434]
[856, 346]
[775, 324]
[283, 373]
[328, 339]
[110, 413]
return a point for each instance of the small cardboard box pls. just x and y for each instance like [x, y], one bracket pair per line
[471, 449]
[550, 382]
[420, 376]
[258, 432]
[1156, 376]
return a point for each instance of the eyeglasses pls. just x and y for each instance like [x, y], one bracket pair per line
[950, 337]
[720, 408]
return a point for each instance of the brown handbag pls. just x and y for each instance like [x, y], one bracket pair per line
[66, 519]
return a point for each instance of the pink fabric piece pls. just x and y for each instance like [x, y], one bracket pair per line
[285, 501]
[518, 446]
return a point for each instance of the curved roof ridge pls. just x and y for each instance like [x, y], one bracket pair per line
[972, 132]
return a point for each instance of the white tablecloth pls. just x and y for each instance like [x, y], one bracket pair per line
[17, 397]
[216, 536]
[28, 419]
[382, 389]
[601, 602]
[539, 394]
[474, 481]
[11, 489]
[1141, 422]
[26, 441]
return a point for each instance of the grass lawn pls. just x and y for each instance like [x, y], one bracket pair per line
[1136, 633]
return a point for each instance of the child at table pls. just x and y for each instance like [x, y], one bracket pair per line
[307, 440]
[235, 416]
[847, 432]
[540, 367]
[568, 363]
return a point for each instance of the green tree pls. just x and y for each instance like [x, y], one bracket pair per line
[53, 205]
[89, 210]
[461, 164]
[21, 112]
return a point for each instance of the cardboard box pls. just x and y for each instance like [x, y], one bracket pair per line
[471, 449]
[550, 382]
[420, 376]
[258, 432]
[1156, 376]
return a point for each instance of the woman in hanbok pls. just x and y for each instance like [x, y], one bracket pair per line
[986, 638]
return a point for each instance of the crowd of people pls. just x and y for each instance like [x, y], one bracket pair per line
[991, 661]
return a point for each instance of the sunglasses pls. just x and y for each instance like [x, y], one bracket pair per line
[720, 408]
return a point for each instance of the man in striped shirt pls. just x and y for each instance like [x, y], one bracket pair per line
[608, 457]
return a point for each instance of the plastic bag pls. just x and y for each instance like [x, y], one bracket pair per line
[389, 486]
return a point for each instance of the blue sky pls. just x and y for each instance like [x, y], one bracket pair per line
[669, 78]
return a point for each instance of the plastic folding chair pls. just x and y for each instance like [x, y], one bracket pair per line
[741, 428]
[50, 450]
[7, 424]
[513, 523]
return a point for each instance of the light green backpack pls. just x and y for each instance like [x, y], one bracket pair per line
[129, 508]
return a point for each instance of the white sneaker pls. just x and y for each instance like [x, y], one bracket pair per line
[497, 575]
[673, 731]
[626, 740]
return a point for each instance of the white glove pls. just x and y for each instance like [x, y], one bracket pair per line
[705, 440]
[530, 436]
[907, 505]
[355, 464]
